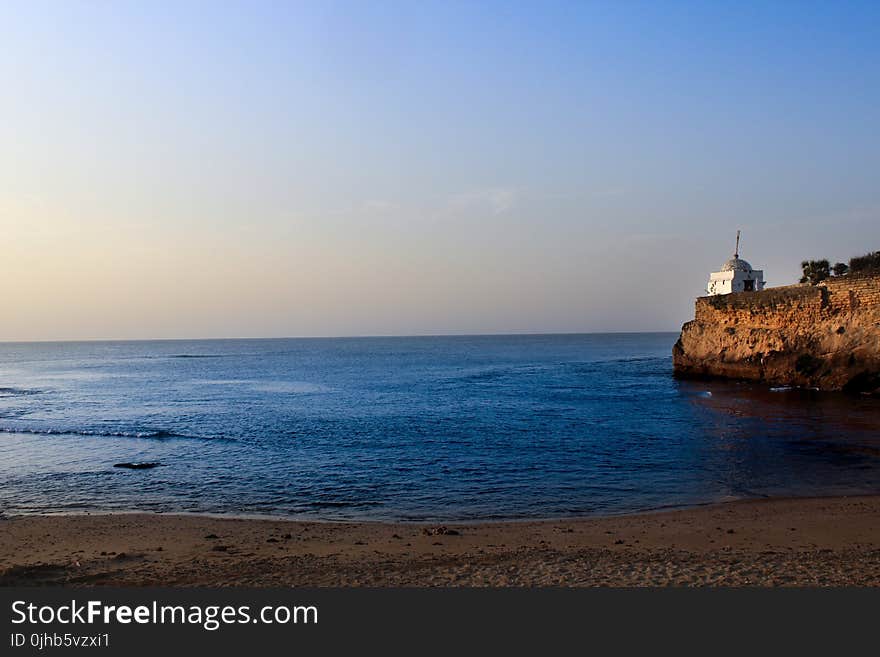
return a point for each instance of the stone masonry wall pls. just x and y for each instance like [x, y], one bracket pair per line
[780, 306]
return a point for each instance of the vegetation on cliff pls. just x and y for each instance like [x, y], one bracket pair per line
[869, 262]
[816, 271]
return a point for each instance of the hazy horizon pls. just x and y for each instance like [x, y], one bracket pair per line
[182, 171]
[345, 337]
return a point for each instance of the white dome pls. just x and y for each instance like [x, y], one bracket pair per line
[736, 264]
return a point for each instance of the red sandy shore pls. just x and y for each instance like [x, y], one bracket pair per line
[804, 542]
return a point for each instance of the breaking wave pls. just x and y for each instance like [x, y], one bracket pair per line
[150, 433]
[17, 392]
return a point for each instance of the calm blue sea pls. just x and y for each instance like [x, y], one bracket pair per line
[410, 428]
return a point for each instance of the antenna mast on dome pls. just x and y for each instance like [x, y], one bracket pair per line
[736, 253]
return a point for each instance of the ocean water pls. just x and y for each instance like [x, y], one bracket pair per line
[410, 428]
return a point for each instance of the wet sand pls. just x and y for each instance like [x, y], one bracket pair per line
[804, 542]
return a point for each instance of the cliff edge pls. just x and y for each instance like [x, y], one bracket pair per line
[825, 336]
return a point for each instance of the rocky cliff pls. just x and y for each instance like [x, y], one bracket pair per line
[825, 336]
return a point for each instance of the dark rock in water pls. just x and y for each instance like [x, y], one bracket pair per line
[137, 466]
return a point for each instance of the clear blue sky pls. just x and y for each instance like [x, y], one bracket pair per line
[181, 169]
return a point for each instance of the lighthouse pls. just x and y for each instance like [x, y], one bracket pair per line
[736, 275]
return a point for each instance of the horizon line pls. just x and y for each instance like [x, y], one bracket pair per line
[378, 336]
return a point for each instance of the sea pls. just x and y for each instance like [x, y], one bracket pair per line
[410, 428]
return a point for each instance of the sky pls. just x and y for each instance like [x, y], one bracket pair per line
[263, 169]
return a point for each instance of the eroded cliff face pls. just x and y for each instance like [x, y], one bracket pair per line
[827, 336]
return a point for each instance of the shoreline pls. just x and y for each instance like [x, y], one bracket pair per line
[220, 515]
[819, 541]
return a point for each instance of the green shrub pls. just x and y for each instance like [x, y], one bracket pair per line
[815, 271]
[867, 262]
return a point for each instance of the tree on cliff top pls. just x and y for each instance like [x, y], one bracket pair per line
[815, 271]
[840, 269]
[867, 262]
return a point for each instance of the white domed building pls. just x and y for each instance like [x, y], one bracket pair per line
[736, 275]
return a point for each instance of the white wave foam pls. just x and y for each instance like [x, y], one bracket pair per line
[51, 431]
[282, 387]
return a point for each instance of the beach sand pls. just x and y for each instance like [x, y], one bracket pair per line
[802, 542]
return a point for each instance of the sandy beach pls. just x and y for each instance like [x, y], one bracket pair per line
[803, 542]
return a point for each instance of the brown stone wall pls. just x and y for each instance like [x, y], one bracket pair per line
[781, 306]
[851, 292]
